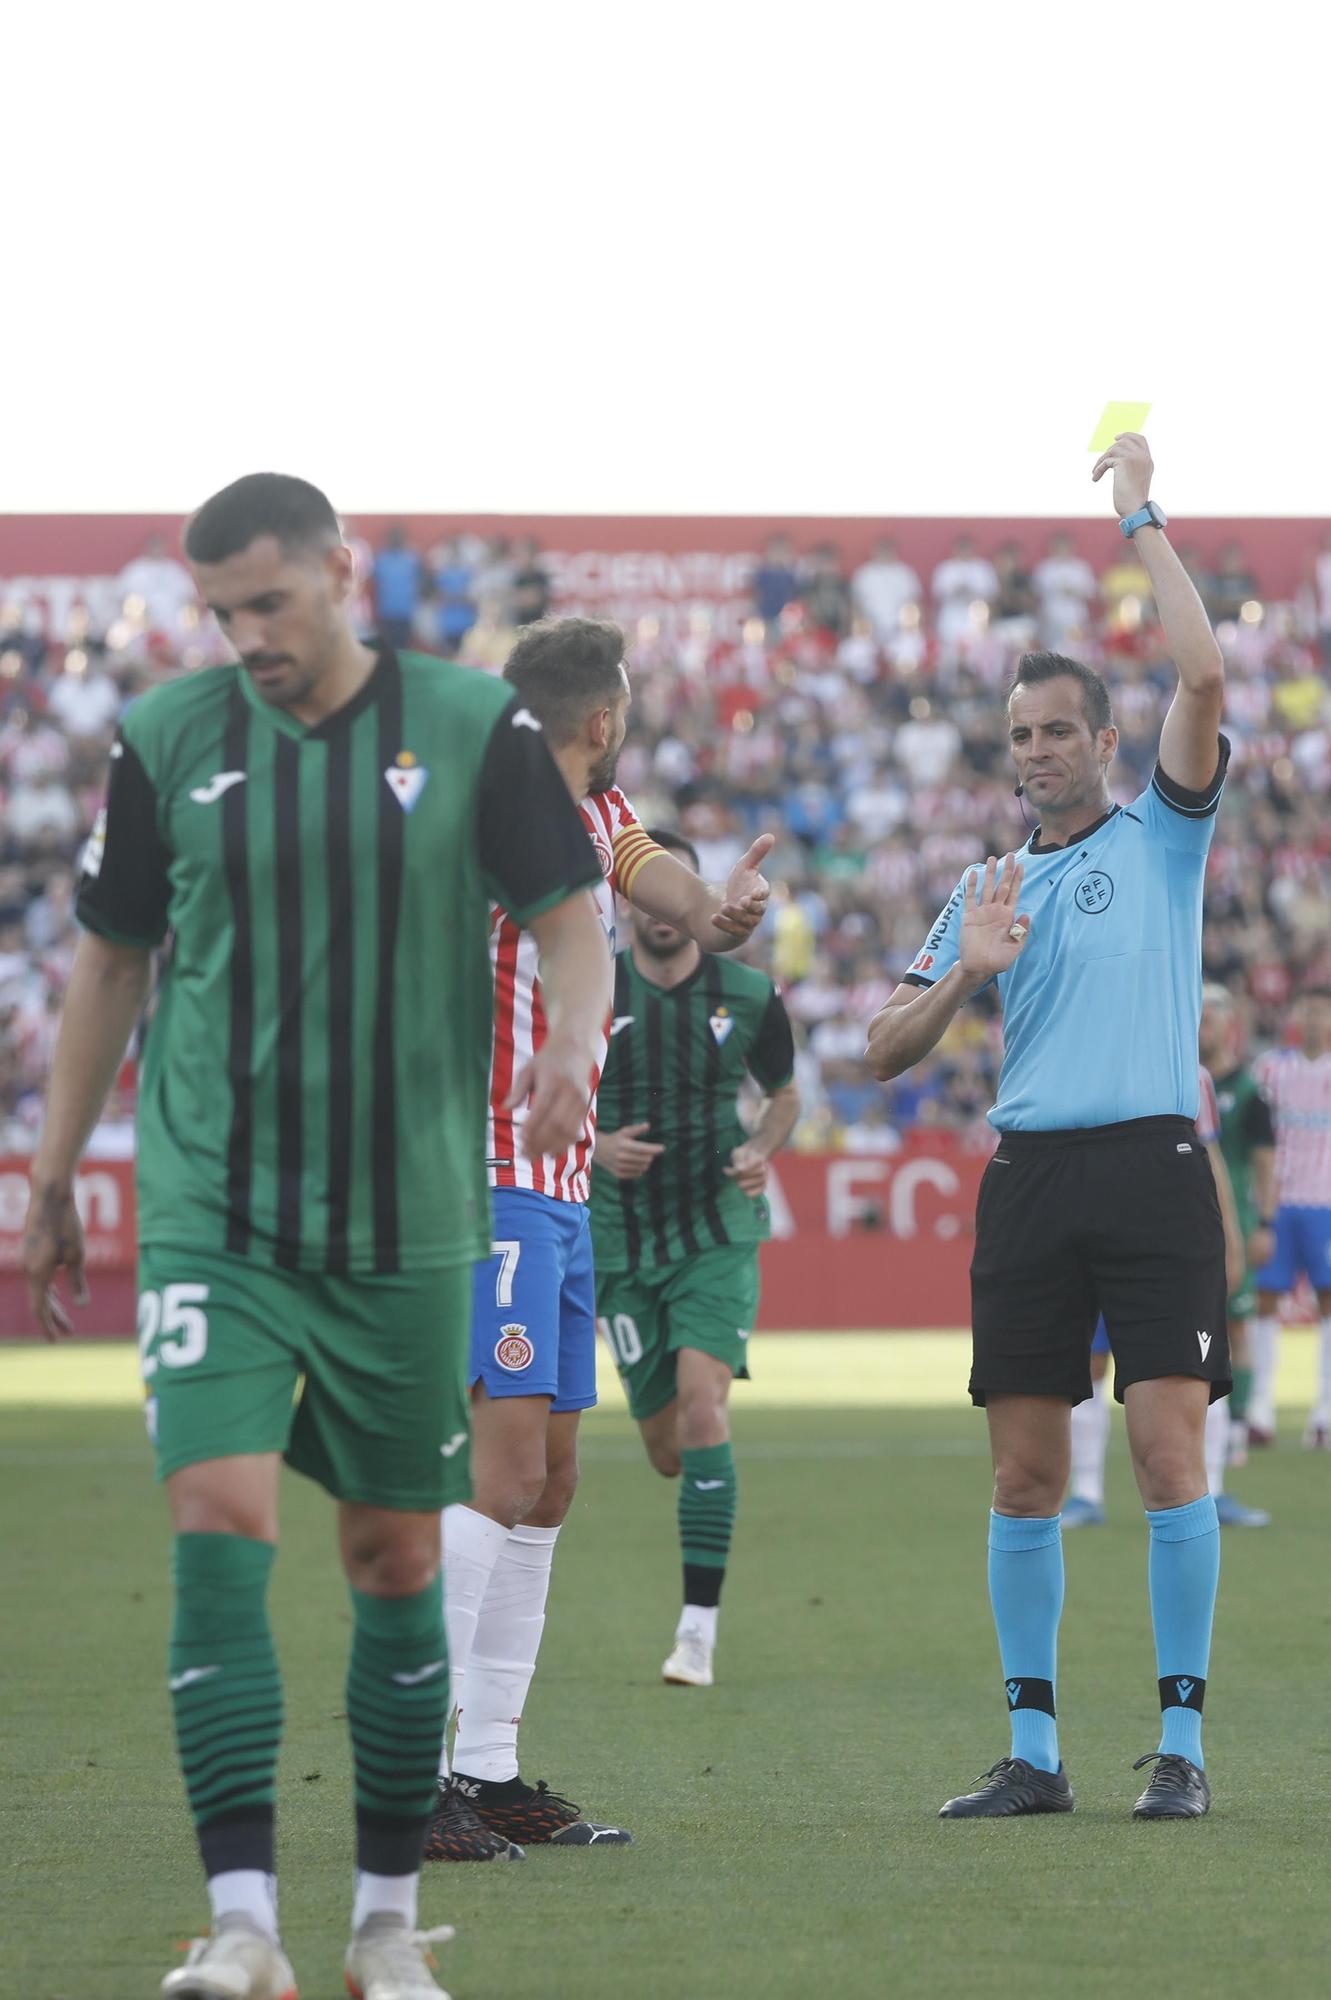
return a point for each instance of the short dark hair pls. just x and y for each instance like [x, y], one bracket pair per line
[1317, 989]
[674, 843]
[564, 668]
[262, 503]
[1035, 668]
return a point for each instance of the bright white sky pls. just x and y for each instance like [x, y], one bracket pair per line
[710, 256]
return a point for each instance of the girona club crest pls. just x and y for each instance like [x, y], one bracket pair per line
[513, 1350]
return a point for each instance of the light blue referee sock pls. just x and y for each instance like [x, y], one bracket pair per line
[1026, 1591]
[1184, 1573]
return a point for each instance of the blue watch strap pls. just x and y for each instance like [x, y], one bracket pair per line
[1149, 516]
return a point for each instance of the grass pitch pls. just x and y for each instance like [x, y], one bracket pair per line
[787, 1837]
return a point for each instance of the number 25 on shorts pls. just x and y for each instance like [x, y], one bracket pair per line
[173, 1328]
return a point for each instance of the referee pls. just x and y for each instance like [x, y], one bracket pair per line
[1099, 1197]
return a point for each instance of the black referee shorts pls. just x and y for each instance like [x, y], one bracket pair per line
[1122, 1220]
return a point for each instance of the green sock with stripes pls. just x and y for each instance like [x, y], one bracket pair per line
[397, 1706]
[227, 1696]
[708, 1496]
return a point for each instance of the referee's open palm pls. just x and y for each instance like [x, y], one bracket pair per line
[993, 933]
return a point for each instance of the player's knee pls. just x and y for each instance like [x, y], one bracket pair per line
[392, 1567]
[1170, 1473]
[1032, 1491]
[703, 1421]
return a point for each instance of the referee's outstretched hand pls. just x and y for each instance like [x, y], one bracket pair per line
[993, 932]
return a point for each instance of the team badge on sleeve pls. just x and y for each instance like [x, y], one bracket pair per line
[513, 1350]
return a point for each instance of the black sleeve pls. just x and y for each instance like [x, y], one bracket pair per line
[1259, 1127]
[535, 850]
[125, 889]
[771, 1060]
[1193, 805]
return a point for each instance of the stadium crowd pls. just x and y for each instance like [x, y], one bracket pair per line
[859, 715]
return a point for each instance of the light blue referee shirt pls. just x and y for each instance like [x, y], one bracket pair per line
[1101, 1010]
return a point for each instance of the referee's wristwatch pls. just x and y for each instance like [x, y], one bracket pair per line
[1149, 516]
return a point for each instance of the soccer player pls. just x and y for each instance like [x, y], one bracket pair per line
[533, 1360]
[322, 828]
[1297, 1082]
[1099, 1197]
[678, 1212]
[1247, 1140]
[1085, 1505]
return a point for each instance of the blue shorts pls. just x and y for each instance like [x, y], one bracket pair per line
[1100, 1344]
[533, 1315]
[1303, 1245]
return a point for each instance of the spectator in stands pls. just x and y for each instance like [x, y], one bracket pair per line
[1321, 580]
[927, 744]
[882, 587]
[1066, 587]
[84, 700]
[490, 638]
[493, 579]
[775, 580]
[1235, 584]
[530, 588]
[455, 608]
[824, 591]
[398, 577]
[49, 919]
[161, 584]
[1015, 607]
[963, 581]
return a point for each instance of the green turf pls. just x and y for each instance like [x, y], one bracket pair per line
[787, 1838]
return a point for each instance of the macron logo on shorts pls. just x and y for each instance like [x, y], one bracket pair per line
[1204, 1342]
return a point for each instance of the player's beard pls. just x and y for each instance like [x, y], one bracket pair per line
[602, 776]
[663, 949]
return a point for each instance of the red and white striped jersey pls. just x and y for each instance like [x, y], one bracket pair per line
[520, 1026]
[1298, 1089]
[1208, 1111]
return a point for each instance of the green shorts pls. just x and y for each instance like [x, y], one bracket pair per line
[361, 1382]
[709, 1301]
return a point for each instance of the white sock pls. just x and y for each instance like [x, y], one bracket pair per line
[473, 1544]
[503, 1656]
[699, 1618]
[245, 1892]
[1264, 1346]
[1090, 1441]
[384, 1895]
[1217, 1446]
[1322, 1408]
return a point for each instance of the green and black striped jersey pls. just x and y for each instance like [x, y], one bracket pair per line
[678, 1056]
[315, 1075]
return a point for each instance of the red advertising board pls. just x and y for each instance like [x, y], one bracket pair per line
[860, 1240]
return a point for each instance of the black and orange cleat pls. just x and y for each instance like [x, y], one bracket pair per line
[536, 1816]
[457, 1833]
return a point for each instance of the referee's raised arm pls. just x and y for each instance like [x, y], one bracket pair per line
[1189, 741]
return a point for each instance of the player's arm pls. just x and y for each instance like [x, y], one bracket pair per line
[575, 973]
[123, 905]
[107, 992]
[626, 1154]
[1229, 1215]
[980, 934]
[1190, 739]
[538, 863]
[718, 919]
[771, 1064]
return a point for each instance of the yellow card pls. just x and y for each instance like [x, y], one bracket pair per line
[1118, 417]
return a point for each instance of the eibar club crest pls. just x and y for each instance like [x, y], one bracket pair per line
[406, 779]
[720, 1023]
